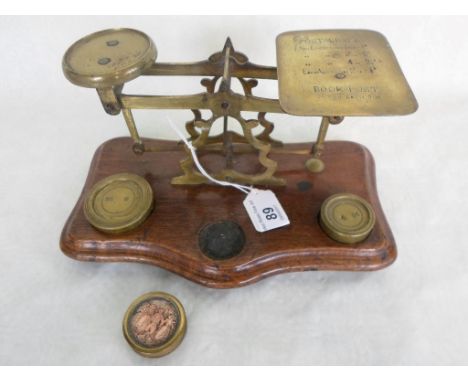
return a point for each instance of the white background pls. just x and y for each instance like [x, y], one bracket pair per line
[59, 311]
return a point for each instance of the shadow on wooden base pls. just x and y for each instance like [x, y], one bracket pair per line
[169, 238]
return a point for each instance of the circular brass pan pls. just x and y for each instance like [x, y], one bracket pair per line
[119, 203]
[347, 218]
[155, 324]
[108, 58]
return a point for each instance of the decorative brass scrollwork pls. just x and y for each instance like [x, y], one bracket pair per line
[227, 106]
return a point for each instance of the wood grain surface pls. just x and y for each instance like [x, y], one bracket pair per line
[169, 237]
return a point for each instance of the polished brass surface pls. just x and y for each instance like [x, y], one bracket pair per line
[110, 99]
[202, 101]
[138, 146]
[108, 58]
[172, 342]
[315, 164]
[119, 203]
[340, 72]
[223, 103]
[330, 73]
[210, 67]
[347, 218]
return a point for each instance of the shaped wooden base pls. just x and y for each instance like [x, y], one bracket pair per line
[169, 238]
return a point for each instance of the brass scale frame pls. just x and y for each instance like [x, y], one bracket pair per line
[222, 102]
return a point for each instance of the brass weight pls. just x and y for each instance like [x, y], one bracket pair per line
[347, 218]
[119, 203]
[155, 324]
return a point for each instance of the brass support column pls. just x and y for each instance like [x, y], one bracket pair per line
[226, 87]
[315, 164]
[138, 146]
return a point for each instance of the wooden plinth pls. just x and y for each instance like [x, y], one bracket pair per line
[169, 237]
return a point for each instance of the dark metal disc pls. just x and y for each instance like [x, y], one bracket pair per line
[221, 240]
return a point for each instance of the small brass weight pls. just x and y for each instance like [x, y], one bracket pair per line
[332, 74]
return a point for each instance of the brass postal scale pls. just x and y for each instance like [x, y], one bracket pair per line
[183, 205]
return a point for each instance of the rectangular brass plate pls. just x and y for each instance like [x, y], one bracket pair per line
[340, 73]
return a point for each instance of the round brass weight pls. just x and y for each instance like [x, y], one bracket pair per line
[347, 218]
[119, 203]
[155, 324]
[108, 58]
